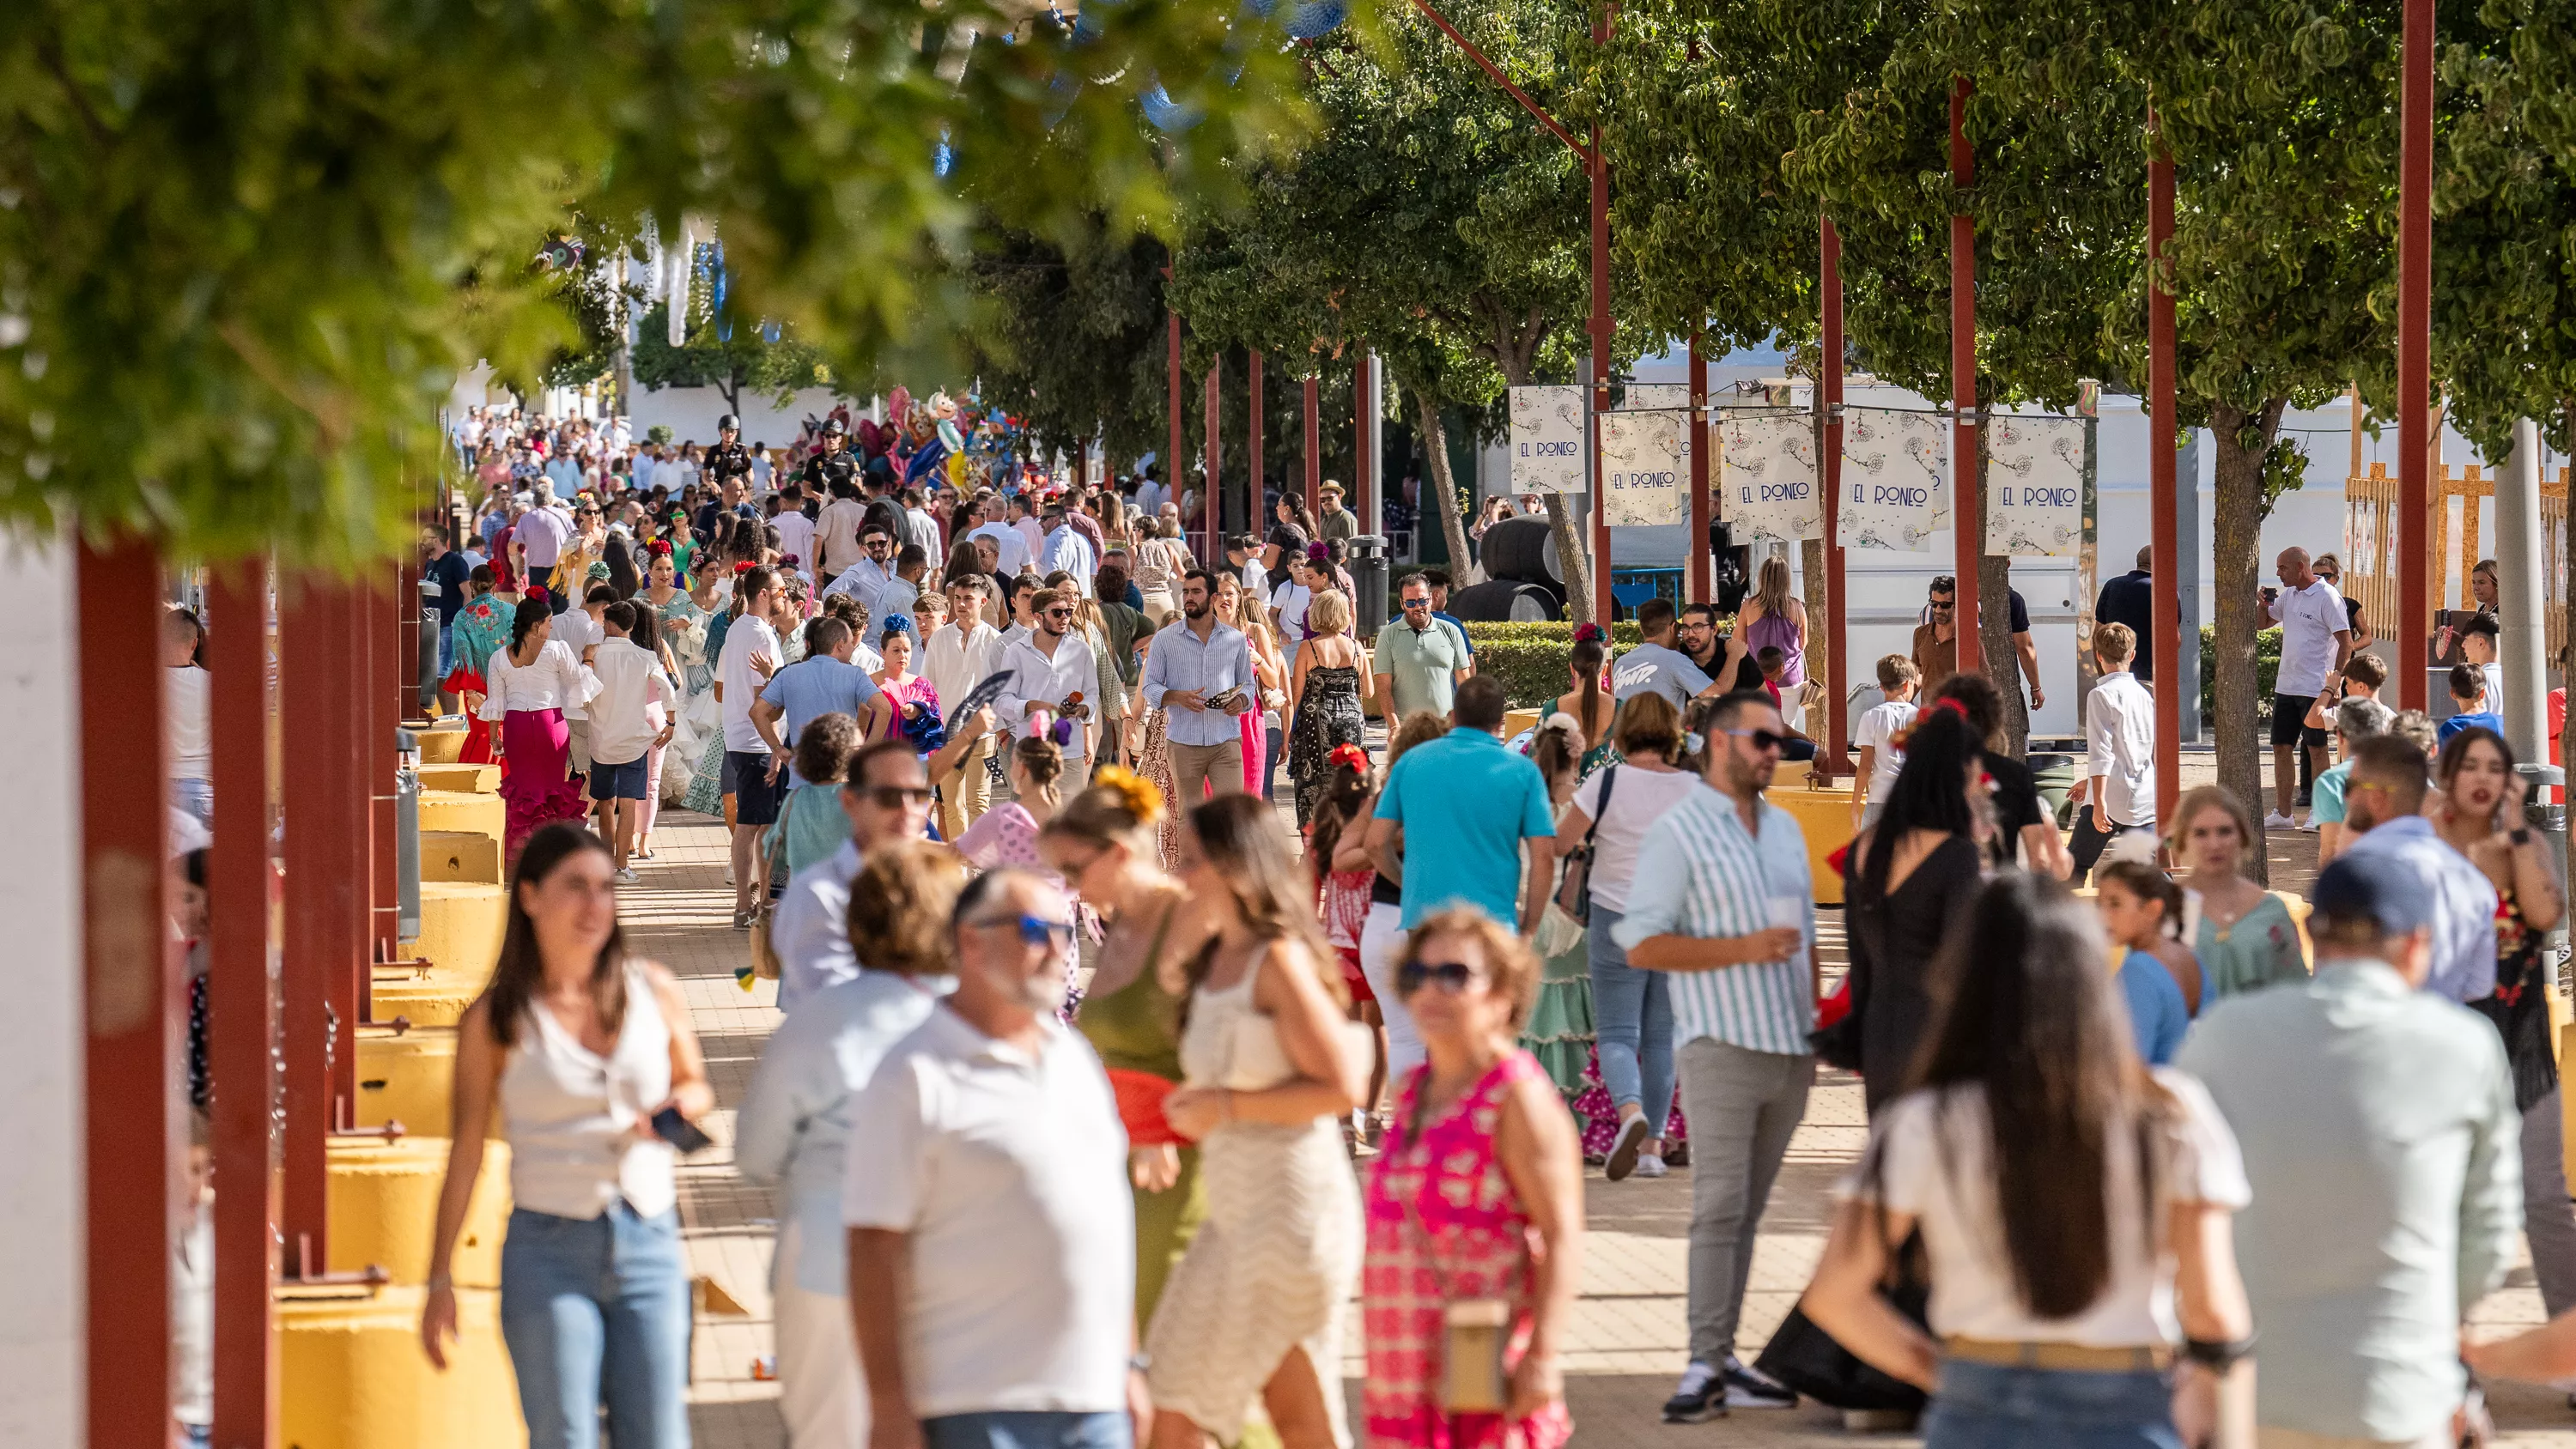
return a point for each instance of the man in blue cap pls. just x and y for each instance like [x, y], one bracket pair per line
[2379, 1133]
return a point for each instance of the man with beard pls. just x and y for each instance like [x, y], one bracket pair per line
[1199, 671]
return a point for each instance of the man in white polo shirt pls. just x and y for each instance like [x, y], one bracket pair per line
[2316, 640]
[992, 1232]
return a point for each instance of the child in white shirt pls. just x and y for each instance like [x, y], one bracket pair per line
[1880, 756]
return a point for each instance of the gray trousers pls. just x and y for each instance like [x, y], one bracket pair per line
[2548, 1219]
[1742, 1105]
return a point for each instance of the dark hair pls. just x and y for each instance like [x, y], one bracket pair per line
[1205, 580]
[864, 758]
[823, 747]
[2393, 763]
[1771, 657]
[531, 613]
[1726, 709]
[620, 614]
[2467, 681]
[1481, 703]
[646, 631]
[1931, 793]
[2148, 884]
[1708, 610]
[521, 968]
[1654, 615]
[1436, 578]
[825, 633]
[2367, 669]
[621, 566]
[2455, 752]
[482, 577]
[1345, 794]
[1109, 584]
[1977, 695]
[1239, 839]
[1586, 659]
[755, 580]
[2022, 1009]
[2481, 622]
[1409, 580]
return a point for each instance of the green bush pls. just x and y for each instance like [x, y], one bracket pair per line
[1530, 658]
[2267, 671]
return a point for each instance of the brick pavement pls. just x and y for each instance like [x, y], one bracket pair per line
[1628, 1341]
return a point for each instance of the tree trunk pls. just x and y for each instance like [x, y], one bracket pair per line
[730, 384]
[1463, 568]
[2236, 529]
[1819, 721]
[1994, 605]
[1572, 562]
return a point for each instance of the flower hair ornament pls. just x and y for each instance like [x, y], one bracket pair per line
[1135, 792]
[1586, 633]
[1318, 552]
[658, 548]
[1351, 756]
[743, 566]
[1905, 736]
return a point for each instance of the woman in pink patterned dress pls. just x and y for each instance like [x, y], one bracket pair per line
[1478, 1194]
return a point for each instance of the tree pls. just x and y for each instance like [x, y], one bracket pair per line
[745, 361]
[248, 248]
[1072, 336]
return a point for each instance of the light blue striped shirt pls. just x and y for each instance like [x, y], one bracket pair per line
[1701, 873]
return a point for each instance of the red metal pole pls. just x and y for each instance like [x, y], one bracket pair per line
[2162, 499]
[1252, 442]
[1604, 607]
[242, 1008]
[1215, 514]
[1968, 543]
[1695, 583]
[2415, 438]
[131, 1104]
[394, 695]
[1314, 443]
[313, 651]
[351, 895]
[1829, 479]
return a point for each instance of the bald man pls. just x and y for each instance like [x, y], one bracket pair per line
[2316, 640]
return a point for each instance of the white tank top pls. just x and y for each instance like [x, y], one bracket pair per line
[1230, 1042]
[571, 1114]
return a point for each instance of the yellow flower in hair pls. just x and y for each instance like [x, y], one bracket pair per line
[1138, 793]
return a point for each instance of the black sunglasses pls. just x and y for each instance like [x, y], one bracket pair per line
[1452, 977]
[895, 797]
[1762, 739]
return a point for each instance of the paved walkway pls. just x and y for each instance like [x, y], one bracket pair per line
[1628, 1342]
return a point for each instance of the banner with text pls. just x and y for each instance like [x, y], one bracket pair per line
[2035, 506]
[1896, 479]
[1645, 463]
[1547, 440]
[1769, 484]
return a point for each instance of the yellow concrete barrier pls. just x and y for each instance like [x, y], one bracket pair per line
[440, 747]
[1825, 817]
[353, 1376]
[467, 779]
[384, 1205]
[464, 810]
[406, 1077]
[460, 926]
[424, 998]
[460, 855]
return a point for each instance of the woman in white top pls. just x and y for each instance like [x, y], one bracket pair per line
[582, 1049]
[531, 690]
[1632, 1010]
[1253, 1309]
[794, 1124]
[2062, 1276]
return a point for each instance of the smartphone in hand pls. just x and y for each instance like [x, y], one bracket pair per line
[680, 1132]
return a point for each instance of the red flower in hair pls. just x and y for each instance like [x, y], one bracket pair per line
[1351, 755]
[743, 566]
[1953, 706]
[1586, 633]
[659, 548]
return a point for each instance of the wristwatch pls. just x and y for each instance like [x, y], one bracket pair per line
[2521, 835]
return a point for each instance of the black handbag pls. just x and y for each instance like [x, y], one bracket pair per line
[1574, 887]
[1806, 1359]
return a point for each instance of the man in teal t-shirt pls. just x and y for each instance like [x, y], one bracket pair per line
[1466, 803]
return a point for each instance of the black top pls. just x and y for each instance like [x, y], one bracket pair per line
[2131, 599]
[823, 470]
[727, 460]
[1893, 940]
[2017, 803]
[450, 571]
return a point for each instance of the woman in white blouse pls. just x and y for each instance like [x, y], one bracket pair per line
[531, 690]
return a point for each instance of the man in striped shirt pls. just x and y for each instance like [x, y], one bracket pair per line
[1723, 900]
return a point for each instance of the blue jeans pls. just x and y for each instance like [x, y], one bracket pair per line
[1632, 1018]
[1988, 1406]
[1028, 1429]
[195, 796]
[597, 1312]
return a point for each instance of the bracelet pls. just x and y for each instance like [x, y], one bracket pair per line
[2218, 1355]
[2520, 835]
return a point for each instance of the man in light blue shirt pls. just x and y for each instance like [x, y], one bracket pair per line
[1473, 802]
[1724, 900]
[1198, 672]
[2379, 1134]
[2380, 804]
[823, 682]
[1065, 548]
[887, 798]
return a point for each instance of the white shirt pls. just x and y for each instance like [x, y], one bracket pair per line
[1010, 549]
[577, 631]
[745, 637]
[1068, 550]
[2309, 620]
[555, 679]
[630, 679]
[2120, 742]
[666, 475]
[1637, 801]
[184, 706]
[1008, 1174]
[1882, 723]
[925, 532]
[1038, 681]
[809, 933]
[192, 1317]
[796, 539]
[1947, 1181]
[2494, 671]
[1032, 536]
[1292, 599]
[956, 661]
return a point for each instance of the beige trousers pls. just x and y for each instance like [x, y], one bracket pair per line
[965, 792]
[1196, 767]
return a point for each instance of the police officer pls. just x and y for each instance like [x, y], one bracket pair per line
[728, 459]
[831, 465]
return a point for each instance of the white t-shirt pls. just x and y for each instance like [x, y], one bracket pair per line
[576, 630]
[1008, 1175]
[796, 539]
[745, 637]
[1882, 723]
[1292, 599]
[2309, 619]
[1640, 799]
[184, 704]
[1949, 1185]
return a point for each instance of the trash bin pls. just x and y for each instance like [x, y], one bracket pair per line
[2055, 776]
[2551, 821]
[1368, 575]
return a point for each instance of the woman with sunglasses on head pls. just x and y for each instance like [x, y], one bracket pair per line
[1479, 1161]
[1910, 874]
[1253, 1310]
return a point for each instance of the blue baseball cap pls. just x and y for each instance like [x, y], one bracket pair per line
[2377, 888]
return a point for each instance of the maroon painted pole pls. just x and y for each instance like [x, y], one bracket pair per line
[1968, 544]
[2415, 438]
[394, 694]
[351, 891]
[1314, 443]
[1696, 581]
[131, 1103]
[1252, 442]
[2163, 501]
[1215, 515]
[313, 654]
[242, 1007]
[1829, 479]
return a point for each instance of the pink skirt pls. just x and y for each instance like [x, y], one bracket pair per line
[539, 788]
[1256, 748]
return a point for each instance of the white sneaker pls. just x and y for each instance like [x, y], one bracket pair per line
[2308, 826]
[2278, 821]
[627, 876]
[1650, 1165]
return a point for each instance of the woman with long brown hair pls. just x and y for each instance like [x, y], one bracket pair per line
[1253, 1309]
[1771, 617]
[587, 1054]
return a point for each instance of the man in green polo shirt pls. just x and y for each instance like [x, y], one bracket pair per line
[1420, 659]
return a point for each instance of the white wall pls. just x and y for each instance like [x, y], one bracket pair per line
[691, 412]
[41, 1222]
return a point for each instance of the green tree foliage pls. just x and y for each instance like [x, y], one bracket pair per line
[746, 362]
[245, 249]
[1073, 337]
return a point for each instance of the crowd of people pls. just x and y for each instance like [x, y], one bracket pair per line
[1101, 1086]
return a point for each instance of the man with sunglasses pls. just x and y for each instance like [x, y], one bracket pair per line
[1936, 640]
[873, 571]
[1056, 678]
[887, 798]
[1722, 898]
[1421, 660]
[991, 1226]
